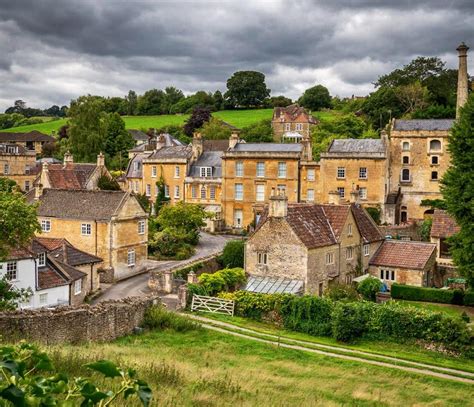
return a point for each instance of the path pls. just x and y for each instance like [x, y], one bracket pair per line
[138, 285]
[325, 350]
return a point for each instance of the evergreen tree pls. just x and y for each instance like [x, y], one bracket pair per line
[458, 190]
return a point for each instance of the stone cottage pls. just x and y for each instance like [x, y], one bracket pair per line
[292, 123]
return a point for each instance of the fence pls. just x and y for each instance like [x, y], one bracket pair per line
[212, 304]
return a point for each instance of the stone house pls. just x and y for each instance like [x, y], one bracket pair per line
[18, 164]
[292, 123]
[108, 224]
[31, 141]
[139, 137]
[317, 245]
[401, 262]
[355, 165]
[443, 227]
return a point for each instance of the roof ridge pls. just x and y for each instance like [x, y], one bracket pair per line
[326, 218]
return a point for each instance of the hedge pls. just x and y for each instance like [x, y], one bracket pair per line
[469, 298]
[408, 292]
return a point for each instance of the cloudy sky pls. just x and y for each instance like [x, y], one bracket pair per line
[55, 50]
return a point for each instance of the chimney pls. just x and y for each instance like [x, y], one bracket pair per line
[462, 78]
[100, 160]
[68, 159]
[234, 139]
[307, 150]
[44, 176]
[160, 142]
[197, 146]
[38, 191]
[278, 207]
[334, 198]
[354, 196]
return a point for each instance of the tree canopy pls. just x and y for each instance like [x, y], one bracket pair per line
[199, 116]
[316, 98]
[247, 89]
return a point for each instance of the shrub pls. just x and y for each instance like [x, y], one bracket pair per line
[195, 289]
[411, 293]
[213, 283]
[374, 213]
[341, 292]
[369, 288]
[157, 317]
[350, 320]
[469, 298]
[233, 254]
[226, 279]
[232, 277]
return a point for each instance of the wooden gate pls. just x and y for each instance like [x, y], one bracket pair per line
[212, 304]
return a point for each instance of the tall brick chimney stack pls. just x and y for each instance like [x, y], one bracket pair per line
[278, 205]
[462, 78]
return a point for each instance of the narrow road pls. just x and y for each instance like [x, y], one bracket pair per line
[138, 285]
[390, 362]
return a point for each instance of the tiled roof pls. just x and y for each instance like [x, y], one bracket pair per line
[71, 273]
[20, 253]
[292, 112]
[337, 216]
[63, 251]
[408, 255]
[79, 204]
[70, 175]
[49, 278]
[357, 146]
[23, 137]
[367, 227]
[208, 159]
[443, 225]
[423, 124]
[215, 145]
[171, 152]
[269, 147]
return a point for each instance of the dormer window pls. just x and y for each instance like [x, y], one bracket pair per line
[42, 260]
[205, 171]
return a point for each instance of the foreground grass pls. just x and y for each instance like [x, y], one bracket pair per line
[204, 368]
[409, 351]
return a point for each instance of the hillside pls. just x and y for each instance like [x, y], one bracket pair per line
[238, 118]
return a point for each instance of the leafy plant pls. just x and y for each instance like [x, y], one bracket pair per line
[233, 254]
[369, 288]
[157, 317]
[28, 378]
[227, 279]
[10, 296]
[342, 292]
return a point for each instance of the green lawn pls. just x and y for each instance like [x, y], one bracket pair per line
[452, 310]
[238, 118]
[205, 368]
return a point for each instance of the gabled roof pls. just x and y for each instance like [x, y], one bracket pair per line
[367, 228]
[292, 112]
[79, 204]
[402, 254]
[49, 278]
[423, 124]
[70, 175]
[138, 135]
[215, 145]
[19, 253]
[171, 152]
[63, 251]
[443, 225]
[23, 137]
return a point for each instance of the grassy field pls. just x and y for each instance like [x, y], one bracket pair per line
[205, 368]
[238, 118]
[452, 310]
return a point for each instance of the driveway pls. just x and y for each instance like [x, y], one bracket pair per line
[138, 285]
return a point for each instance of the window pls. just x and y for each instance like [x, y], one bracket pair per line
[310, 195]
[194, 191]
[205, 171]
[406, 146]
[148, 190]
[363, 172]
[153, 171]
[260, 193]
[405, 175]
[12, 271]
[341, 172]
[435, 160]
[349, 253]
[281, 189]
[262, 258]
[406, 159]
[435, 145]
[239, 169]
[287, 126]
[366, 249]
[329, 258]
[167, 191]
[239, 192]
[238, 218]
[176, 191]
[136, 165]
[6, 169]
[45, 225]
[43, 298]
[260, 169]
[212, 192]
[282, 170]
[311, 176]
[341, 192]
[27, 169]
[176, 171]
[203, 192]
[141, 227]
[27, 185]
[363, 193]
[434, 175]
[387, 275]
[136, 186]
[41, 259]
[349, 229]
[86, 229]
[77, 286]
[299, 126]
[131, 257]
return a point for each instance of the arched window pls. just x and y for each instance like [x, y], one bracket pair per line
[405, 175]
[203, 192]
[435, 145]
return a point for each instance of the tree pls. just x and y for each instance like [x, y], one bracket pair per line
[218, 100]
[278, 101]
[10, 296]
[381, 106]
[106, 183]
[425, 229]
[151, 102]
[412, 97]
[199, 116]
[161, 198]
[115, 105]
[53, 111]
[259, 132]
[172, 96]
[214, 129]
[369, 288]
[316, 98]
[233, 254]
[199, 99]
[457, 187]
[131, 103]
[117, 139]
[7, 185]
[247, 89]
[18, 222]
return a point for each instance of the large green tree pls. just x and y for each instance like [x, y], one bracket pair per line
[247, 89]
[316, 98]
[458, 190]
[151, 102]
[117, 140]
[215, 129]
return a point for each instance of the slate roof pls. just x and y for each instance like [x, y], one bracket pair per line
[366, 225]
[171, 152]
[268, 147]
[408, 255]
[63, 251]
[292, 112]
[423, 124]
[78, 204]
[138, 135]
[207, 159]
[133, 172]
[23, 137]
[351, 145]
[70, 175]
[443, 225]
